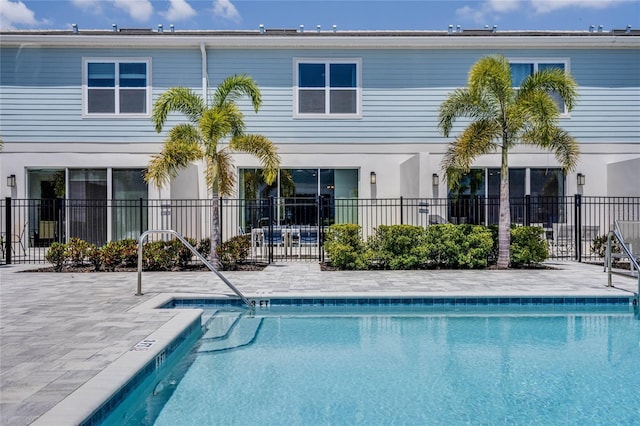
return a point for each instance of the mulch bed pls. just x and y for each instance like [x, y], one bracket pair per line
[190, 268]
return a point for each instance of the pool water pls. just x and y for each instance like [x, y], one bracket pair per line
[309, 366]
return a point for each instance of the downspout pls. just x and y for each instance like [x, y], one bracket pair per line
[205, 79]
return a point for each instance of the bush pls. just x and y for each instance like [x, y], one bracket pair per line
[94, 255]
[77, 251]
[128, 249]
[234, 251]
[344, 246]
[477, 247]
[528, 246]
[182, 252]
[111, 254]
[457, 246]
[159, 256]
[56, 255]
[599, 246]
[397, 246]
[204, 247]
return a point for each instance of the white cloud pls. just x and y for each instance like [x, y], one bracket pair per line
[87, 5]
[491, 10]
[140, 10]
[226, 10]
[503, 5]
[179, 10]
[15, 12]
[546, 6]
[468, 13]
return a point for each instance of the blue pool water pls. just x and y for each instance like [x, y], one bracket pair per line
[302, 366]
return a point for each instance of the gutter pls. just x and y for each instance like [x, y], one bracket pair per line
[344, 41]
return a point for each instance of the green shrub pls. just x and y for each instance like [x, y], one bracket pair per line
[457, 246]
[159, 256]
[111, 255]
[599, 246]
[204, 247]
[477, 247]
[94, 255]
[397, 246]
[234, 251]
[77, 251]
[182, 253]
[442, 245]
[528, 246]
[128, 249]
[57, 256]
[344, 246]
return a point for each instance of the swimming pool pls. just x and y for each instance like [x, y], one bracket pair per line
[405, 365]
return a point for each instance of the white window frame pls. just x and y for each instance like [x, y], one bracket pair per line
[537, 61]
[327, 114]
[116, 61]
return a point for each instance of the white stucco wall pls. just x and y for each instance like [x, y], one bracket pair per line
[623, 178]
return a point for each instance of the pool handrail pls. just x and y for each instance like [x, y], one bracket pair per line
[615, 232]
[176, 234]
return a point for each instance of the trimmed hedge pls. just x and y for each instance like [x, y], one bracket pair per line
[343, 244]
[156, 255]
[437, 246]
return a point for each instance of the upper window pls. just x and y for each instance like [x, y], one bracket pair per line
[116, 86]
[327, 88]
[521, 69]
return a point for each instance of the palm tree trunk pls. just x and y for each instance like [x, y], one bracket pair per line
[215, 230]
[504, 223]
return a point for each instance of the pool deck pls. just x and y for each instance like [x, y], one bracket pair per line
[59, 331]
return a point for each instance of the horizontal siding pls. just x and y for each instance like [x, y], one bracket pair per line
[41, 93]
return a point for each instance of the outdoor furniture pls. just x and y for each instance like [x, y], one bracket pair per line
[309, 235]
[563, 238]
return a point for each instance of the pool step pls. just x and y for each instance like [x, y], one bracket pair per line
[207, 317]
[219, 326]
[242, 333]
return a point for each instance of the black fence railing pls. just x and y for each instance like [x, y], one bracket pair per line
[285, 229]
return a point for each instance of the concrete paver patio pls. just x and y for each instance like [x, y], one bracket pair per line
[59, 330]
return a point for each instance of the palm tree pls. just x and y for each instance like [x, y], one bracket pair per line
[213, 132]
[502, 116]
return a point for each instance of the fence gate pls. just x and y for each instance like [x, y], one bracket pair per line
[281, 229]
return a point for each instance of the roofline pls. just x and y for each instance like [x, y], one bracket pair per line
[323, 40]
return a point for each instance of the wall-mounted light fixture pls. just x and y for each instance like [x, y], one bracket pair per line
[435, 180]
[372, 178]
[580, 179]
[11, 181]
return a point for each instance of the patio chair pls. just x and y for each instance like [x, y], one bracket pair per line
[309, 235]
[273, 239]
[18, 240]
[563, 239]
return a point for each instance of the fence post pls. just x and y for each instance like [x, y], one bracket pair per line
[60, 207]
[401, 211]
[320, 219]
[140, 216]
[7, 229]
[220, 215]
[527, 210]
[270, 225]
[578, 228]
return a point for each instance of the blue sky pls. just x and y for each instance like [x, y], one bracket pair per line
[345, 14]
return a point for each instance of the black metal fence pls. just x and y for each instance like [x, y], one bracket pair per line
[284, 229]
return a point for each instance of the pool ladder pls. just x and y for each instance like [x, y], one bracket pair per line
[208, 264]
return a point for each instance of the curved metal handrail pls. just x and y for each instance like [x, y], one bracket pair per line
[616, 233]
[176, 234]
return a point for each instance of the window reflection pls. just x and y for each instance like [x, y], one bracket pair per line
[298, 190]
